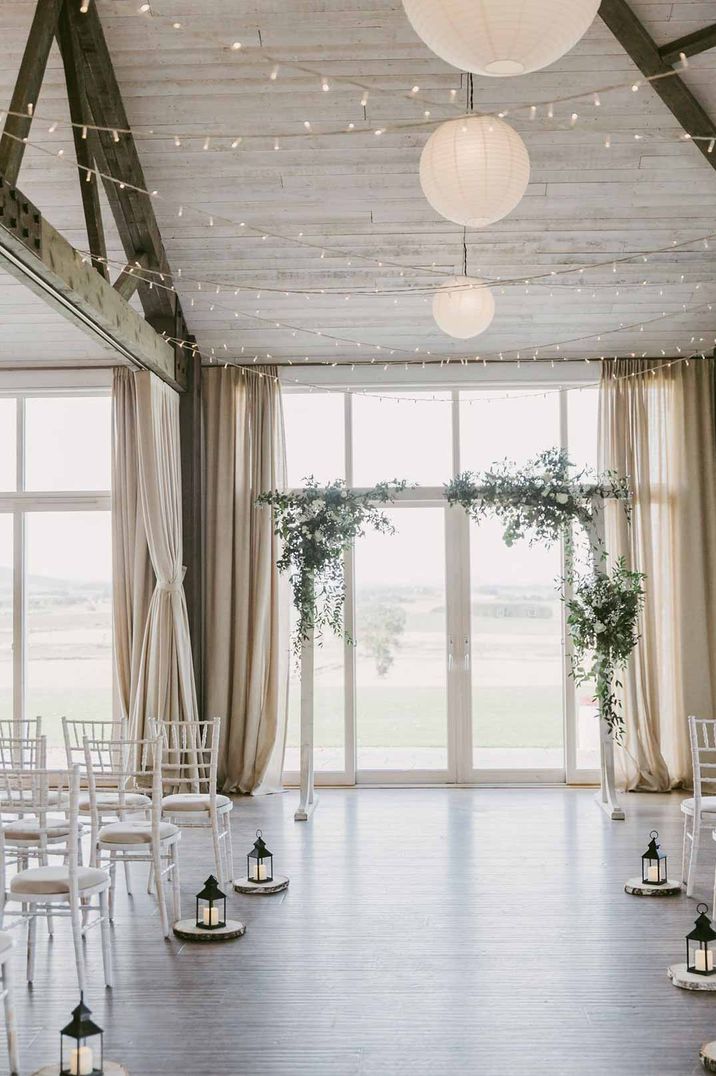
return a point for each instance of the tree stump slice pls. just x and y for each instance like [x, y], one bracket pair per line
[253, 889]
[636, 888]
[189, 931]
[687, 980]
[707, 1053]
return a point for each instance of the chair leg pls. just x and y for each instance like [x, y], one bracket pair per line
[217, 849]
[695, 841]
[159, 883]
[10, 1025]
[112, 883]
[31, 932]
[229, 845]
[127, 877]
[150, 878]
[684, 849]
[76, 920]
[176, 888]
[104, 928]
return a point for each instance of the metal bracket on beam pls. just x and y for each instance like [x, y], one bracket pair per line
[19, 216]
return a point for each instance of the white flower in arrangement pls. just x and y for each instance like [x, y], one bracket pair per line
[599, 627]
[562, 498]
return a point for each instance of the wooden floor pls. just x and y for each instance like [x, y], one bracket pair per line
[424, 931]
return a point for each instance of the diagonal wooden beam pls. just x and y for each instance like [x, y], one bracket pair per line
[134, 212]
[640, 46]
[27, 88]
[36, 254]
[128, 280]
[80, 115]
[689, 45]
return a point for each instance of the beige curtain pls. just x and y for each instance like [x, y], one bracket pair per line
[246, 635]
[132, 575]
[164, 684]
[658, 427]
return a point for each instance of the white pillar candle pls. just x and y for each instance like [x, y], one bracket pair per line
[211, 917]
[81, 1061]
[258, 872]
[704, 960]
[652, 874]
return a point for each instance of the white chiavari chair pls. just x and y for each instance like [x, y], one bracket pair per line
[189, 769]
[699, 810]
[30, 728]
[129, 765]
[66, 889]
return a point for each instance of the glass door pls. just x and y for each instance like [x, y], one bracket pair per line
[401, 649]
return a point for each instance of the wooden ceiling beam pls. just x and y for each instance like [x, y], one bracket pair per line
[134, 212]
[80, 114]
[27, 88]
[640, 46]
[689, 45]
[36, 254]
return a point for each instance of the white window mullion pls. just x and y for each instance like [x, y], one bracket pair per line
[349, 613]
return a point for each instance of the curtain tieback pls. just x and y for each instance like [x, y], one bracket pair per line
[172, 586]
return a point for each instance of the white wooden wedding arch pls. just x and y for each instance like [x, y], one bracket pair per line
[607, 797]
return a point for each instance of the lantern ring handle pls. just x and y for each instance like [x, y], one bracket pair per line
[654, 833]
[701, 908]
[259, 833]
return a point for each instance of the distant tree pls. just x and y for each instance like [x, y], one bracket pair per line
[383, 625]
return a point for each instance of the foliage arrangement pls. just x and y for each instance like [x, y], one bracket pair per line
[382, 628]
[603, 622]
[541, 502]
[316, 525]
[538, 501]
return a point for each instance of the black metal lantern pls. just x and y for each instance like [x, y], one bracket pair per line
[699, 945]
[653, 863]
[78, 1057]
[259, 861]
[210, 906]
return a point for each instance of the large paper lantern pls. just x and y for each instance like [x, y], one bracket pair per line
[501, 37]
[474, 170]
[463, 307]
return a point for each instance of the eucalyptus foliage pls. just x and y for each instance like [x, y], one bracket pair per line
[603, 621]
[316, 525]
[541, 502]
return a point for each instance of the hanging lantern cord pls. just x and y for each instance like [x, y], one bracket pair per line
[464, 250]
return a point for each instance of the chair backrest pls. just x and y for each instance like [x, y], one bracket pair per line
[43, 796]
[190, 754]
[75, 732]
[702, 737]
[127, 766]
[23, 753]
[29, 728]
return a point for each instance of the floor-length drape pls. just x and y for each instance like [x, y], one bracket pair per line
[132, 575]
[246, 633]
[656, 425]
[165, 680]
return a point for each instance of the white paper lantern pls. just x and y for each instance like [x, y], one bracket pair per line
[474, 170]
[501, 37]
[463, 307]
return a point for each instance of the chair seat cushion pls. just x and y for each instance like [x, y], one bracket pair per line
[110, 801]
[708, 805]
[135, 832]
[55, 881]
[28, 829]
[193, 801]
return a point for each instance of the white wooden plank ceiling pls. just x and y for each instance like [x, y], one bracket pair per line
[357, 192]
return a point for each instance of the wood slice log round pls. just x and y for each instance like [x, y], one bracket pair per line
[707, 1053]
[687, 980]
[253, 889]
[189, 931]
[636, 888]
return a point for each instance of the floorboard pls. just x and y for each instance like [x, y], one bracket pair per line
[424, 931]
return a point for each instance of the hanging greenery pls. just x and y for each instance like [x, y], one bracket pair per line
[316, 525]
[538, 501]
[603, 623]
[541, 502]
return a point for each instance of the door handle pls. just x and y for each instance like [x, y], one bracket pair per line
[466, 655]
[451, 660]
